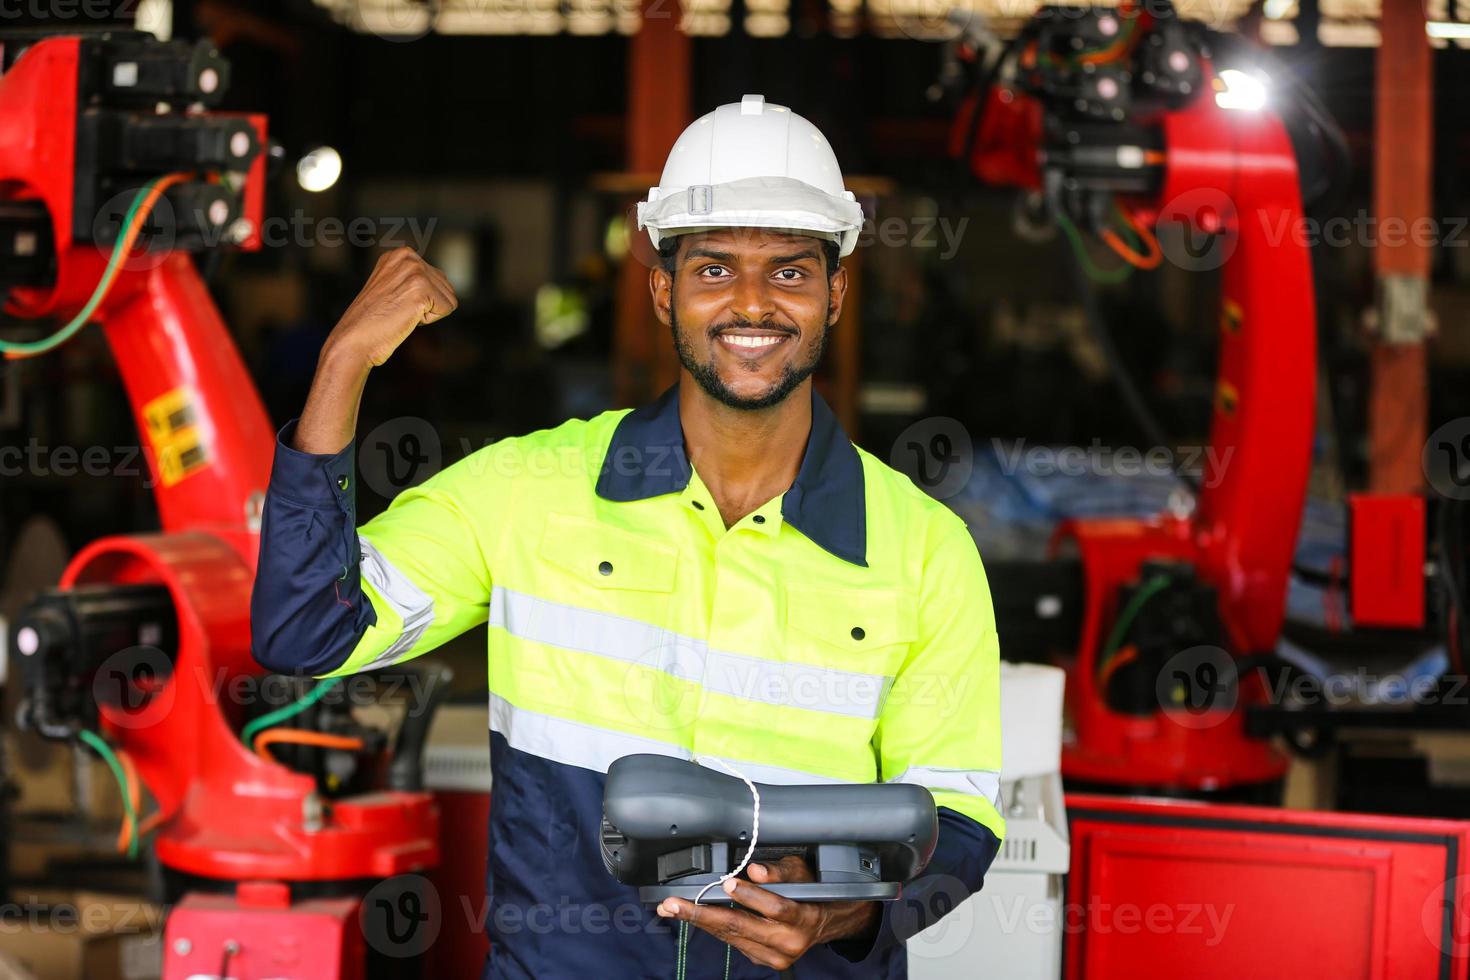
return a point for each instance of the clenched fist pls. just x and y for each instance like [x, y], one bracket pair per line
[403, 292]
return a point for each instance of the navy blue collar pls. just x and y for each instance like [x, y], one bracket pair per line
[827, 502]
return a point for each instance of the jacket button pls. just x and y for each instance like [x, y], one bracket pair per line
[342, 482]
[759, 518]
[697, 505]
[605, 568]
[857, 633]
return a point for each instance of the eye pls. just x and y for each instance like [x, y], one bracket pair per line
[795, 274]
[714, 272]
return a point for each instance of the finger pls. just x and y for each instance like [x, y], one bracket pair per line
[763, 901]
[439, 304]
[789, 869]
[391, 257]
[729, 924]
[758, 940]
[445, 286]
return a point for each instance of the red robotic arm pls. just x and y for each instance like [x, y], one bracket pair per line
[80, 130]
[1096, 109]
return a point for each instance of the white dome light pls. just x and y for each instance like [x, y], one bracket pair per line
[319, 169]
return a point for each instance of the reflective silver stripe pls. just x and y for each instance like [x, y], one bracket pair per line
[413, 606]
[842, 692]
[573, 743]
[984, 783]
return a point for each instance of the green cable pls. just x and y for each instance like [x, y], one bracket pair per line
[248, 733]
[1074, 59]
[1079, 247]
[103, 285]
[1127, 229]
[681, 963]
[110, 757]
[1129, 613]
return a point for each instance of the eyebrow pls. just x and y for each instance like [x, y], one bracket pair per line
[697, 252]
[700, 252]
[806, 253]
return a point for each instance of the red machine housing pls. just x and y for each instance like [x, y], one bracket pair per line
[1387, 552]
[262, 934]
[1230, 173]
[1236, 891]
[229, 814]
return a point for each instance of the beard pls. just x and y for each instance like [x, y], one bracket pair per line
[712, 384]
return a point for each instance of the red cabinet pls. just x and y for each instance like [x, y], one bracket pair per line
[1176, 889]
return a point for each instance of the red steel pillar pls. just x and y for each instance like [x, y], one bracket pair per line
[1398, 405]
[659, 99]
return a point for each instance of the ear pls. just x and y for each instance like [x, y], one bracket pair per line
[836, 293]
[661, 285]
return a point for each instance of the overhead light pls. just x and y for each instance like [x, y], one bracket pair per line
[319, 169]
[1236, 89]
[1277, 9]
[1449, 30]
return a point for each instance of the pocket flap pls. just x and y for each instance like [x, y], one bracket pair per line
[608, 557]
[852, 619]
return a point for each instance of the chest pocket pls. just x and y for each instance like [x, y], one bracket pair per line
[861, 630]
[607, 559]
[619, 586]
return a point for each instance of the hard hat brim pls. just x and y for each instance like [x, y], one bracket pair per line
[782, 203]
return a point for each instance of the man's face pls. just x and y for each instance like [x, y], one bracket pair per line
[750, 311]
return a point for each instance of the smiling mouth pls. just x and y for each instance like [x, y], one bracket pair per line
[750, 342]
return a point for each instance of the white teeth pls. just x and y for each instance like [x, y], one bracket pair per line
[741, 340]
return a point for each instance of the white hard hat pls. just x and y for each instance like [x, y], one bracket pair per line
[752, 165]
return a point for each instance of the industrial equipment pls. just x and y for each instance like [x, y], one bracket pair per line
[1115, 120]
[1015, 925]
[113, 168]
[676, 829]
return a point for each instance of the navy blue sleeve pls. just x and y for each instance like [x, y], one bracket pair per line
[307, 610]
[957, 869]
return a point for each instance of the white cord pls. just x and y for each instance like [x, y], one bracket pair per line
[755, 826]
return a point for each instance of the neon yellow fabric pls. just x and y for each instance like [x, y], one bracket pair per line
[649, 619]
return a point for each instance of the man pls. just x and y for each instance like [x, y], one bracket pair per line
[720, 574]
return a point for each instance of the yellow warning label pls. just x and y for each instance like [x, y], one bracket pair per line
[178, 445]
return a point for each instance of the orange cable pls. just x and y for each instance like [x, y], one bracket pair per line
[1124, 656]
[1153, 255]
[125, 245]
[130, 771]
[300, 736]
[151, 822]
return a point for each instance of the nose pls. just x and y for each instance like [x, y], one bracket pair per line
[754, 299]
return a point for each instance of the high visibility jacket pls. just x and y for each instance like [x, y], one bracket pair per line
[841, 632]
